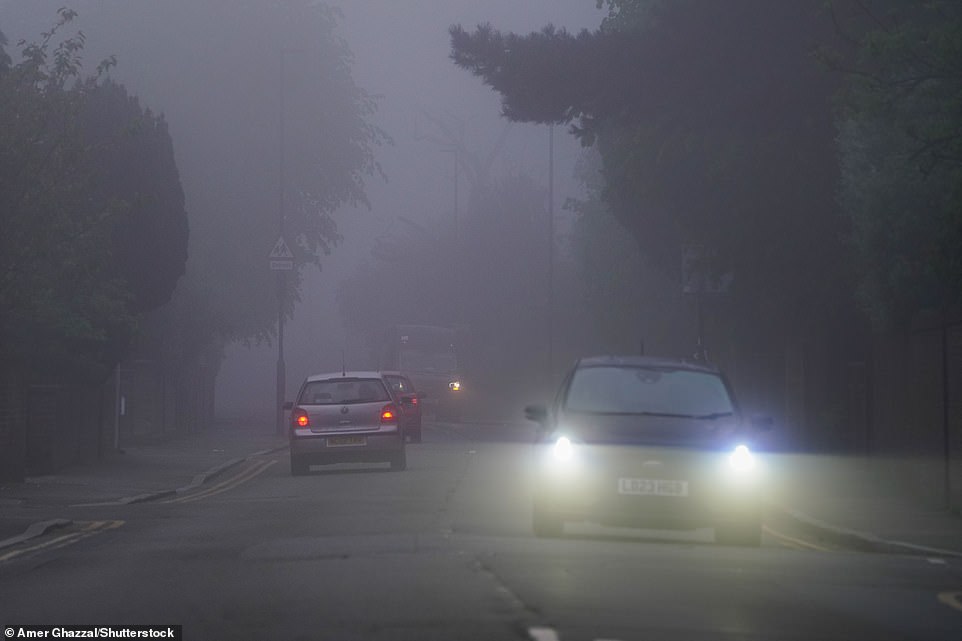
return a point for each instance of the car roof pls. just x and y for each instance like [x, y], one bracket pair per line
[350, 374]
[645, 361]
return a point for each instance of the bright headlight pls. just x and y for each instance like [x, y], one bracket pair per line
[562, 449]
[454, 386]
[741, 459]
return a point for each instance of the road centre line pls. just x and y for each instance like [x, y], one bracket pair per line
[90, 529]
[225, 485]
[793, 542]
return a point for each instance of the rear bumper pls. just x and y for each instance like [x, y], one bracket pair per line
[318, 449]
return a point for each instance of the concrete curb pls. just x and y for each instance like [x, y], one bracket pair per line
[33, 531]
[196, 482]
[863, 541]
[42, 527]
[202, 478]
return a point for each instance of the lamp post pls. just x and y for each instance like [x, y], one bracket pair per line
[457, 162]
[550, 254]
[281, 273]
[456, 150]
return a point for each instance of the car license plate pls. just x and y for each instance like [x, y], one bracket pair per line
[346, 441]
[652, 487]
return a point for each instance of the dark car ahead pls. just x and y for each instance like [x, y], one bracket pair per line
[348, 417]
[646, 442]
[409, 402]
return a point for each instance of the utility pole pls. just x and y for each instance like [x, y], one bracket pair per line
[279, 425]
[550, 255]
[456, 151]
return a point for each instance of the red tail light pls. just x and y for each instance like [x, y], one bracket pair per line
[300, 419]
[389, 414]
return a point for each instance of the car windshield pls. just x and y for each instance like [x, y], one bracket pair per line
[646, 390]
[343, 391]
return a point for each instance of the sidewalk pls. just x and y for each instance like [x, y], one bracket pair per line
[865, 503]
[137, 474]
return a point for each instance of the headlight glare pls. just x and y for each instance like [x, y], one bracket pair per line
[562, 449]
[741, 459]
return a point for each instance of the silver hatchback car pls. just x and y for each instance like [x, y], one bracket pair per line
[345, 417]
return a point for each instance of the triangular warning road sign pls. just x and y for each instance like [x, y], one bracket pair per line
[281, 250]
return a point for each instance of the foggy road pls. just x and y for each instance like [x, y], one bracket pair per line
[206, 206]
[444, 551]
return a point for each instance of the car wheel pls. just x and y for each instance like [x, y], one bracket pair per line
[299, 467]
[399, 462]
[747, 532]
[545, 524]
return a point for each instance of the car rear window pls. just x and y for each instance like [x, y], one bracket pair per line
[643, 390]
[399, 384]
[343, 391]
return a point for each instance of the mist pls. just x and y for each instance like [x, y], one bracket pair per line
[219, 93]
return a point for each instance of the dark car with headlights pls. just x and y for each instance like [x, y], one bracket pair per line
[649, 443]
[345, 417]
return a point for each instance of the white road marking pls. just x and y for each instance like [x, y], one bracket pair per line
[548, 634]
[952, 599]
[542, 634]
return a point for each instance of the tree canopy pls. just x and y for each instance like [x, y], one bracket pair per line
[715, 127]
[87, 183]
[230, 154]
[900, 144]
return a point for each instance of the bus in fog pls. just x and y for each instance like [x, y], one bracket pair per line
[428, 355]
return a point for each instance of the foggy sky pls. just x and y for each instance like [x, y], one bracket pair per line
[401, 53]
[401, 50]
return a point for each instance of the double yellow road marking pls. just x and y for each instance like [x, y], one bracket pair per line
[81, 530]
[227, 484]
[86, 530]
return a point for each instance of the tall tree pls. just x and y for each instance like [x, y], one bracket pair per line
[900, 140]
[131, 157]
[77, 185]
[715, 127]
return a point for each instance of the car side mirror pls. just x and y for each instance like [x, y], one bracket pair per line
[408, 399]
[288, 405]
[763, 423]
[537, 413]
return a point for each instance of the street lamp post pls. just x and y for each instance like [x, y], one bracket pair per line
[550, 254]
[281, 274]
[456, 151]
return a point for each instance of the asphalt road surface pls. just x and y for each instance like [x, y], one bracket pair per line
[444, 551]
